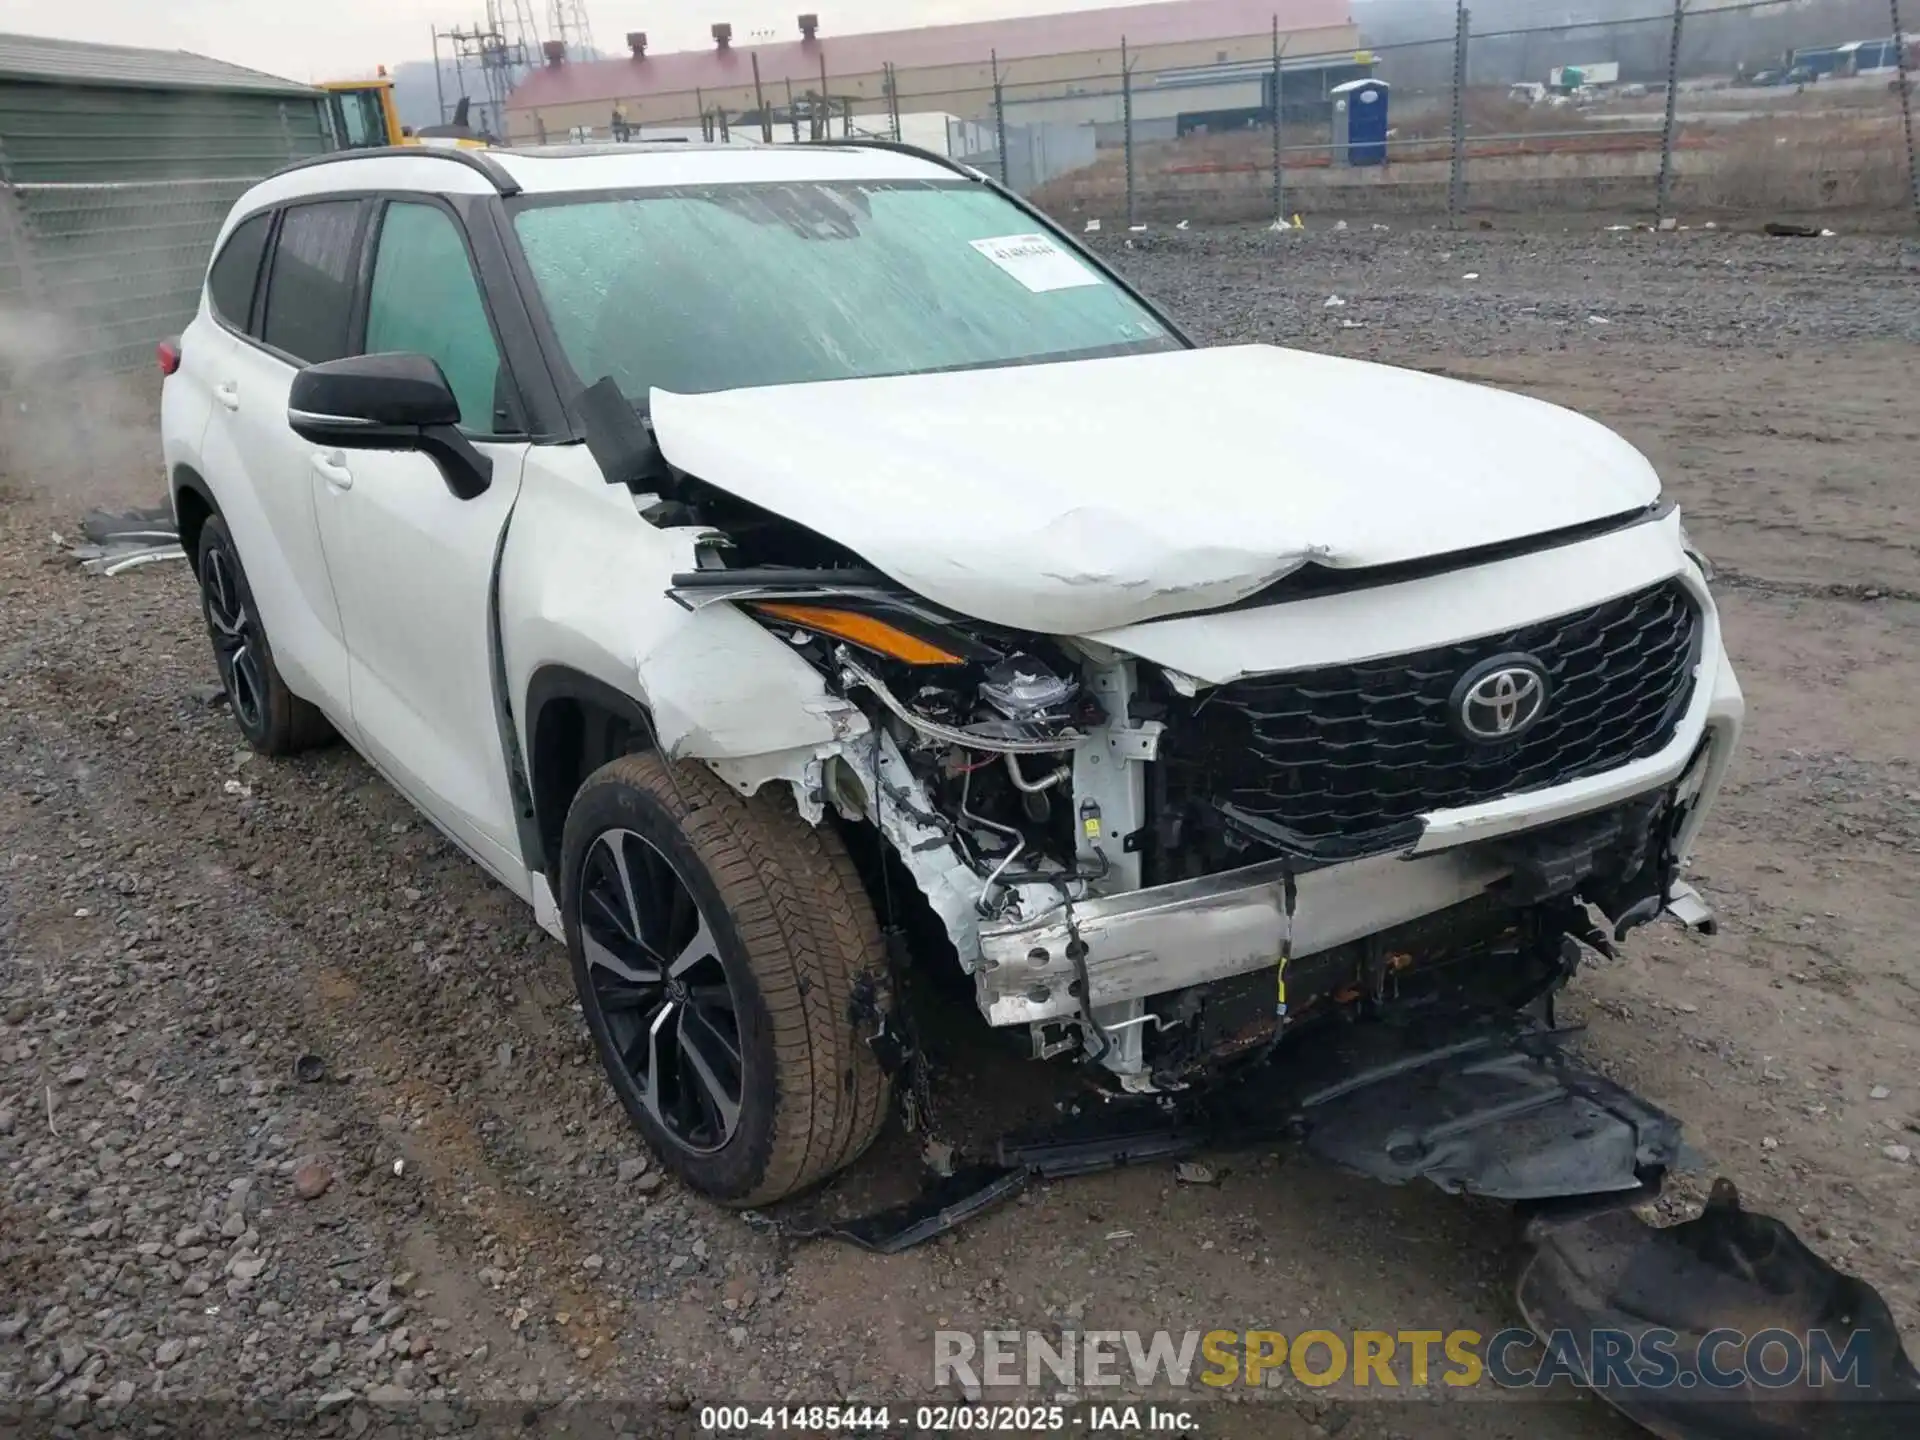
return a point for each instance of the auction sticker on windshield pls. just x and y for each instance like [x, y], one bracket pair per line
[1036, 262]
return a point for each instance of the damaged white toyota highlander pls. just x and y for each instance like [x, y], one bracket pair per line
[792, 569]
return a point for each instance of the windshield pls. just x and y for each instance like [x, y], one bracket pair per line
[726, 286]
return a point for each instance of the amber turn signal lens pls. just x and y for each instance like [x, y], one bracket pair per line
[862, 630]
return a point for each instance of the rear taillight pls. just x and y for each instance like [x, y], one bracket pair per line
[169, 353]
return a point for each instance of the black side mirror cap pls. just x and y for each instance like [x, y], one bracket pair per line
[388, 402]
[365, 391]
[619, 440]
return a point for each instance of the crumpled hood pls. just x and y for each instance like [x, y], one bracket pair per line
[1074, 497]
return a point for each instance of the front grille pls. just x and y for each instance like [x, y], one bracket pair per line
[1336, 761]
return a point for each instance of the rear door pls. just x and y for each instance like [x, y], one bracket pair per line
[299, 316]
[206, 355]
[413, 564]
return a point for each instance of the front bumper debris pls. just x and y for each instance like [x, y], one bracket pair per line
[1141, 943]
[1685, 904]
[1475, 1107]
[1194, 932]
[1497, 1108]
[1501, 1113]
[1613, 1284]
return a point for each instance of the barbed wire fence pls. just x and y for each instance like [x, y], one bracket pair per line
[1689, 109]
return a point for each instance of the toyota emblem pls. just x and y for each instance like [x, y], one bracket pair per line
[1500, 699]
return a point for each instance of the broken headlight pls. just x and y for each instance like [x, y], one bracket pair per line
[1022, 688]
[954, 682]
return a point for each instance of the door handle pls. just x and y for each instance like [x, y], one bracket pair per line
[228, 395]
[333, 469]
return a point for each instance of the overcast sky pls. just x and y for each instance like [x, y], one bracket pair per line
[341, 39]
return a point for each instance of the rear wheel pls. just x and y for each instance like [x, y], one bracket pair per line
[274, 719]
[717, 946]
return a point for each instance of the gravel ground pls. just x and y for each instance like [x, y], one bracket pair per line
[296, 1111]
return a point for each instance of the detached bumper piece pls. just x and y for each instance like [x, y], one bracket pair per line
[946, 1202]
[1500, 1113]
[1479, 1108]
[1612, 1286]
[1474, 1107]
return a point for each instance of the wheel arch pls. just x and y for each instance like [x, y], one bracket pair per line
[193, 506]
[575, 724]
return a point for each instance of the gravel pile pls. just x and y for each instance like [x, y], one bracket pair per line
[1418, 292]
[293, 1102]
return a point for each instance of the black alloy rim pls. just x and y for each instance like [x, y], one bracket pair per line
[663, 994]
[236, 639]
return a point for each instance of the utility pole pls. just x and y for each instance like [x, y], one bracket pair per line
[1457, 179]
[439, 85]
[999, 116]
[1665, 192]
[1126, 121]
[1905, 80]
[1279, 114]
[760, 100]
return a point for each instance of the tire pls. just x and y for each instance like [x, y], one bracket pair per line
[274, 719]
[734, 894]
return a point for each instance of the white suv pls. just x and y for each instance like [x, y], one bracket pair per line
[787, 568]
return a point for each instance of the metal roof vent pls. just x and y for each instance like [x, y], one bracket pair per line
[637, 42]
[723, 35]
[555, 51]
[808, 25]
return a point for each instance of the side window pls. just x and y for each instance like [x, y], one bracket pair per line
[310, 289]
[230, 283]
[426, 300]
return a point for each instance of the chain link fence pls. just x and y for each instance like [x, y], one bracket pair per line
[97, 273]
[1708, 111]
[1704, 108]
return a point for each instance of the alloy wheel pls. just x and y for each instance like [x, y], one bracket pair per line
[662, 990]
[236, 639]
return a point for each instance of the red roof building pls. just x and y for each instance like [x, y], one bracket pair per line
[939, 67]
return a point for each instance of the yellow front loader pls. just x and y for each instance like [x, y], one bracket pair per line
[362, 116]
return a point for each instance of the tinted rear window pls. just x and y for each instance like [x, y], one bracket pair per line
[230, 283]
[310, 295]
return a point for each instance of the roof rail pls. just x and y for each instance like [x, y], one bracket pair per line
[479, 160]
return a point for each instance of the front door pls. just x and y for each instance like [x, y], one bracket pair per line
[412, 565]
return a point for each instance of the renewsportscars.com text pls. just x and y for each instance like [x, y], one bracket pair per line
[1412, 1359]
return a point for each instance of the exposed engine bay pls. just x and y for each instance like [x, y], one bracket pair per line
[1059, 788]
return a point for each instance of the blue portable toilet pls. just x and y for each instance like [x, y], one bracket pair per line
[1360, 122]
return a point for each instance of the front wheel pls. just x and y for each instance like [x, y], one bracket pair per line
[718, 943]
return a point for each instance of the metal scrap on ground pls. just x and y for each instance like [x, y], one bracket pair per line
[117, 542]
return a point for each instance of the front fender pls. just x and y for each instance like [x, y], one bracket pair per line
[583, 587]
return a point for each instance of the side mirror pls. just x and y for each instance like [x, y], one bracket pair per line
[388, 402]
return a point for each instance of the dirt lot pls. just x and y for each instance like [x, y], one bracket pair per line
[179, 923]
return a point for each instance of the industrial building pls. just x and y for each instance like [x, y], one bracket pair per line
[117, 168]
[1194, 63]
